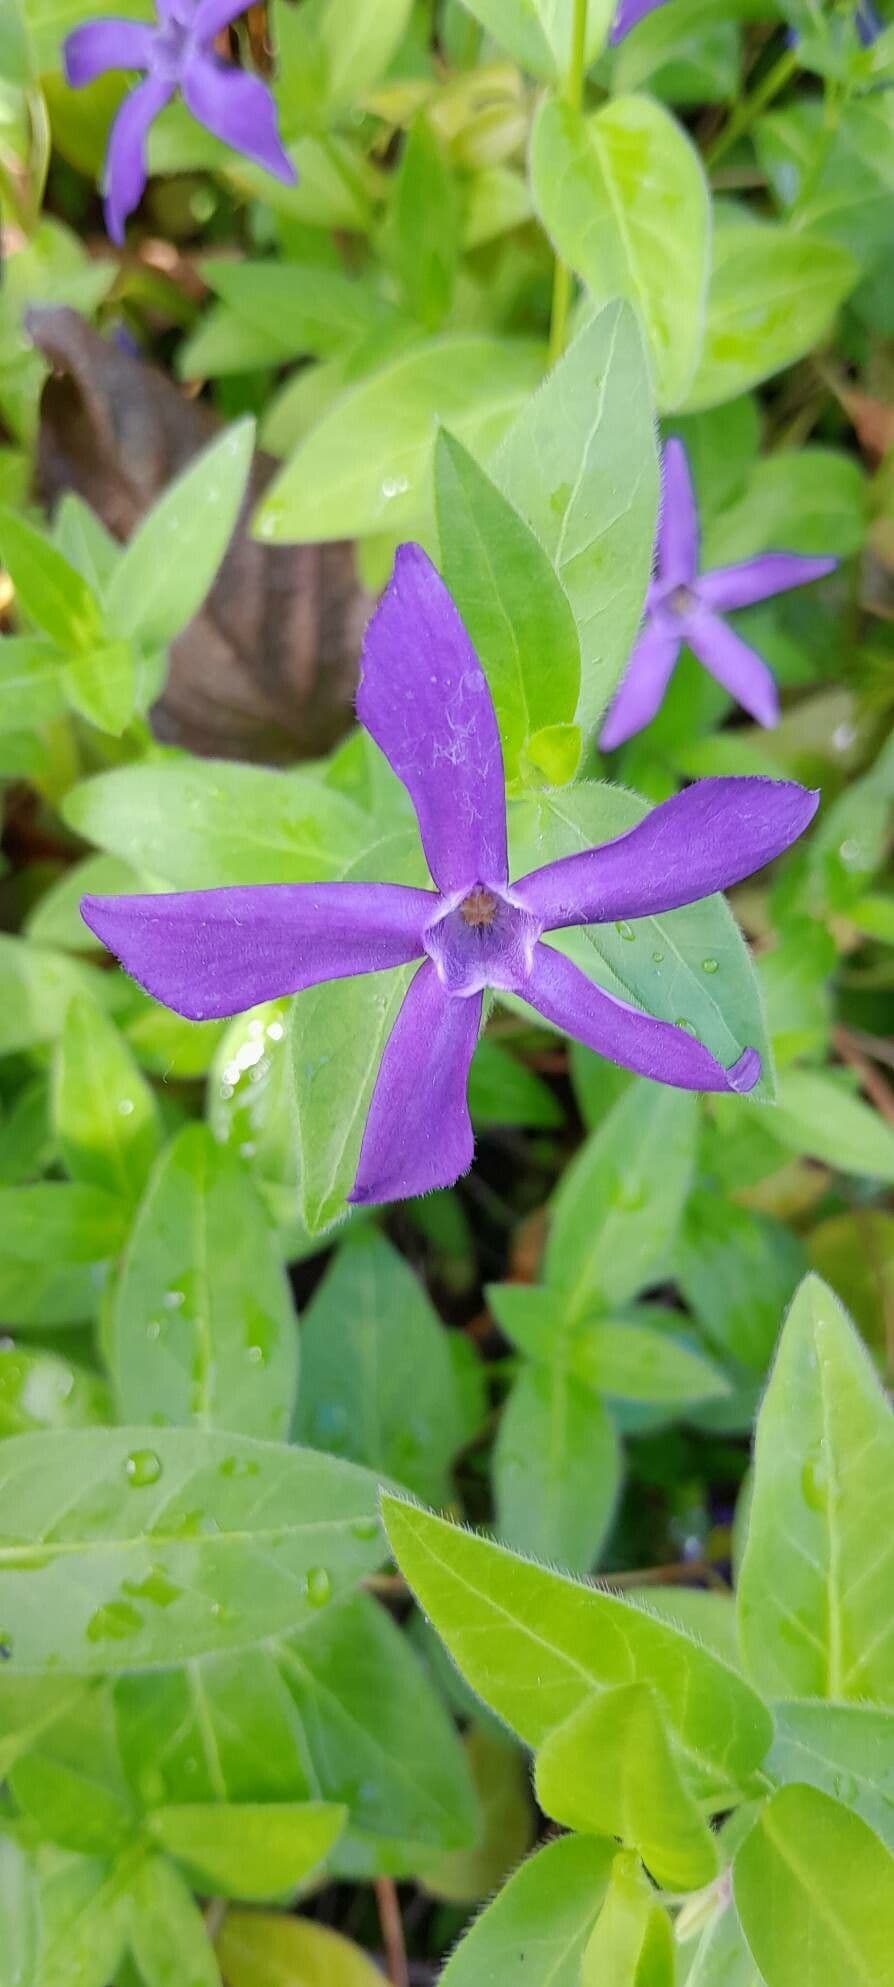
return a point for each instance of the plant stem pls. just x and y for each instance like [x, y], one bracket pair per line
[743, 118]
[574, 95]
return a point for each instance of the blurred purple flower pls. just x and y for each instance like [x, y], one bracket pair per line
[424, 698]
[629, 13]
[868, 23]
[683, 605]
[175, 54]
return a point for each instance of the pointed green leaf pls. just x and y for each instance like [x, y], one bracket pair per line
[632, 1943]
[58, 1222]
[624, 199]
[104, 1111]
[513, 605]
[536, 1647]
[615, 1214]
[814, 1889]
[249, 1851]
[19, 1917]
[30, 684]
[538, 33]
[135, 1547]
[166, 568]
[557, 1468]
[504, 1822]
[846, 1750]
[168, 1938]
[49, 590]
[773, 294]
[203, 1330]
[100, 684]
[632, 1361]
[610, 1770]
[256, 1949]
[814, 1619]
[580, 465]
[549, 1908]
[424, 256]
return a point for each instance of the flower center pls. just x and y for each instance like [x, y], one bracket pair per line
[483, 941]
[682, 600]
[479, 908]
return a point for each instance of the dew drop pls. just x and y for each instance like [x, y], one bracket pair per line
[846, 1788]
[657, 958]
[238, 1466]
[710, 965]
[173, 1299]
[142, 1467]
[815, 1483]
[255, 1355]
[687, 1026]
[318, 1586]
[125, 1107]
[365, 1528]
[624, 930]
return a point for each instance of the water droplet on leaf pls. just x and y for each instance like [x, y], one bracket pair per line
[318, 1586]
[142, 1467]
[710, 965]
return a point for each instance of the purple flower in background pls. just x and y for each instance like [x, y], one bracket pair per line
[868, 23]
[175, 54]
[424, 698]
[629, 13]
[683, 605]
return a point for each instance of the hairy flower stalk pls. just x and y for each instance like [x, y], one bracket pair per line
[684, 605]
[424, 698]
[175, 54]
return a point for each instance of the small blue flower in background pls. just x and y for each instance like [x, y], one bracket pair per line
[684, 605]
[868, 23]
[630, 12]
[176, 54]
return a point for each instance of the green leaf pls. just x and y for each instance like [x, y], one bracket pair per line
[28, 1707]
[538, 32]
[424, 252]
[54, 1221]
[817, 1116]
[36, 986]
[690, 56]
[846, 1750]
[772, 297]
[536, 1647]
[513, 605]
[632, 1943]
[547, 1908]
[293, 309]
[168, 1938]
[737, 1271]
[814, 1889]
[377, 1382]
[204, 822]
[56, 919]
[298, 1952]
[203, 1330]
[813, 1613]
[49, 590]
[835, 179]
[504, 1091]
[249, 1851]
[84, 1921]
[623, 197]
[101, 685]
[40, 1390]
[610, 1770]
[557, 1468]
[30, 684]
[634, 1362]
[691, 967]
[616, 1211]
[580, 465]
[170, 561]
[811, 500]
[366, 467]
[177, 1542]
[722, 1958]
[71, 1784]
[104, 1112]
[19, 1917]
[505, 1823]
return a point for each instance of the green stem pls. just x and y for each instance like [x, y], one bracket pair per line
[574, 95]
[743, 118]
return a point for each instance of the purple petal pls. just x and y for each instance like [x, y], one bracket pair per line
[758, 579]
[101, 45]
[424, 698]
[213, 15]
[678, 520]
[741, 671]
[207, 953]
[642, 687]
[418, 1133]
[239, 110]
[707, 838]
[560, 991]
[125, 167]
[629, 13]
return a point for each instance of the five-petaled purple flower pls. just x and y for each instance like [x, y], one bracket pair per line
[176, 54]
[684, 605]
[629, 13]
[424, 698]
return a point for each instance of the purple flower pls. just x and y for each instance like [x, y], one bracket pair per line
[424, 698]
[629, 13]
[868, 23]
[685, 606]
[176, 54]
